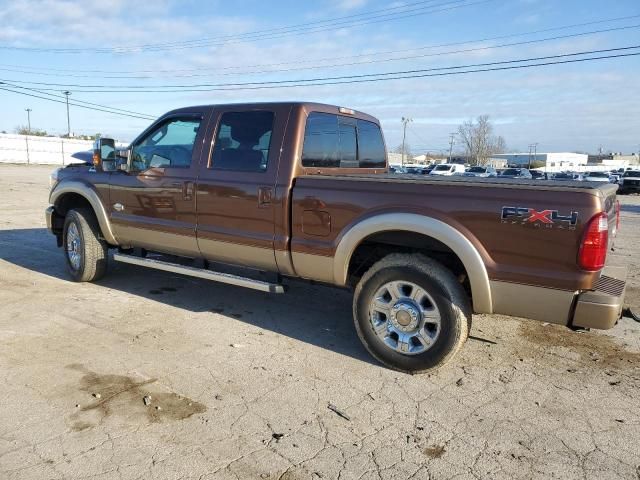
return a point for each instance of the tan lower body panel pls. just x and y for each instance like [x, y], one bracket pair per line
[156, 240]
[313, 267]
[238, 254]
[536, 303]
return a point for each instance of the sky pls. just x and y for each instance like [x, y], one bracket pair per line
[126, 55]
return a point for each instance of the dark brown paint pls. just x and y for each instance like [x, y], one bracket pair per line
[308, 210]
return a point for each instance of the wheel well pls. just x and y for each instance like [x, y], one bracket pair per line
[65, 203]
[69, 201]
[379, 245]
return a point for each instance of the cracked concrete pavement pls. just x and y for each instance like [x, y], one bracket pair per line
[238, 382]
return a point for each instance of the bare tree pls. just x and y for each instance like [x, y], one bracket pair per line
[478, 140]
[407, 150]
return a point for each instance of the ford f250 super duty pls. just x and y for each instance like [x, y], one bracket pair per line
[303, 190]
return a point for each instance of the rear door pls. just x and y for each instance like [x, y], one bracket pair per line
[235, 192]
[153, 205]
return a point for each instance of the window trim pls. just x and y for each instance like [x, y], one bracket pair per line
[214, 140]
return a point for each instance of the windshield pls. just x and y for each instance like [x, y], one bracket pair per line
[598, 175]
[442, 168]
[632, 174]
[511, 171]
[477, 170]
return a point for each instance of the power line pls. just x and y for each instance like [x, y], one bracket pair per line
[288, 28]
[336, 80]
[371, 80]
[294, 30]
[412, 57]
[75, 104]
[41, 92]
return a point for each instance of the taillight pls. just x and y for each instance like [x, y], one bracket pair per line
[593, 249]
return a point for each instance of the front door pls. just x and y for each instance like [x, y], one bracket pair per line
[153, 205]
[235, 192]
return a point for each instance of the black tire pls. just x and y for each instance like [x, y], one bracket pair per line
[448, 296]
[92, 250]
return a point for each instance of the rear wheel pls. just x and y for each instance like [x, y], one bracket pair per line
[411, 313]
[85, 252]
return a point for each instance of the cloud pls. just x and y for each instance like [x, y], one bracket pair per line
[561, 107]
[349, 4]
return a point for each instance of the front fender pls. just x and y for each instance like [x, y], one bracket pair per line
[73, 186]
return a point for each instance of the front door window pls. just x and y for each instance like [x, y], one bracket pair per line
[170, 145]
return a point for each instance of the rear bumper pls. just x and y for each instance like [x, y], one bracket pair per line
[601, 308]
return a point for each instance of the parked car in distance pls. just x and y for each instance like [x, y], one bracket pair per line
[563, 176]
[447, 169]
[630, 181]
[538, 175]
[396, 169]
[414, 170]
[516, 173]
[596, 177]
[479, 171]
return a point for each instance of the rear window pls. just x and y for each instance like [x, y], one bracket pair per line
[332, 141]
[631, 174]
[598, 175]
[442, 168]
[477, 170]
[511, 171]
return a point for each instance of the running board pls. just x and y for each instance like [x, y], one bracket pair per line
[200, 273]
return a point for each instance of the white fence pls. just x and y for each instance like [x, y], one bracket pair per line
[41, 150]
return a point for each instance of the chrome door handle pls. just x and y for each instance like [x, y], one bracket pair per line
[118, 207]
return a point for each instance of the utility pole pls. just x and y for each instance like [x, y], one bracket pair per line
[405, 122]
[452, 137]
[535, 153]
[67, 93]
[530, 148]
[28, 110]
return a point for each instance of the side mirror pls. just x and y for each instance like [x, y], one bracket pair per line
[104, 154]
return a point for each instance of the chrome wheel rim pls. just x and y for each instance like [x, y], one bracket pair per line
[405, 317]
[74, 245]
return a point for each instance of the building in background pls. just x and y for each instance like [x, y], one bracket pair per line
[614, 161]
[551, 162]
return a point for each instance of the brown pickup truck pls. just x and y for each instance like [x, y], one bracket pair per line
[303, 190]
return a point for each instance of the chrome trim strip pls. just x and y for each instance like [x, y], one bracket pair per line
[200, 273]
[410, 222]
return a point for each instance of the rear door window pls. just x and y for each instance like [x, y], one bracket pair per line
[332, 141]
[242, 141]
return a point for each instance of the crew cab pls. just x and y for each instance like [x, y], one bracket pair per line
[303, 190]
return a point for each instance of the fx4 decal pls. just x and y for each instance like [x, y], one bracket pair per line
[539, 218]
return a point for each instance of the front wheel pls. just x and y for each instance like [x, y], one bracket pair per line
[85, 252]
[411, 313]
